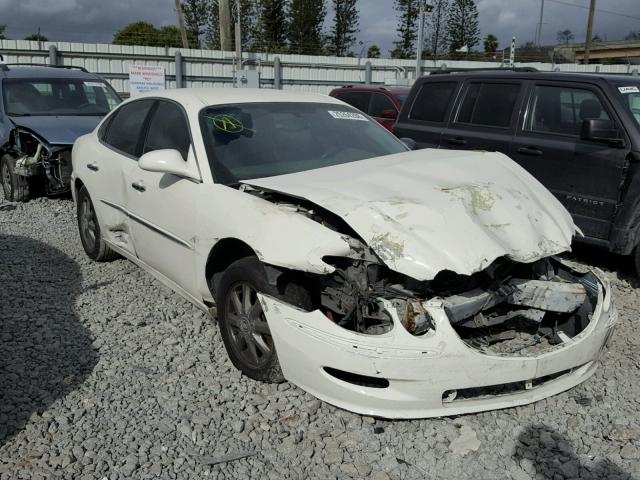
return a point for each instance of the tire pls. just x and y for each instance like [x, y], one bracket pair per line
[244, 331]
[16, 187]
[89, 230]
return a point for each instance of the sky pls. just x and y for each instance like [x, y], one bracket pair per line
[97, 20]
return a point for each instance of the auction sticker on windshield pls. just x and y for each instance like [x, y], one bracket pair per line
[629, 89]
[95, 84]
[347, 115]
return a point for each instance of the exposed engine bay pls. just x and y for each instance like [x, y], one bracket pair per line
[508, 308]
[37, 159]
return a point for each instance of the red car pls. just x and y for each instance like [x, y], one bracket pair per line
[381, 103]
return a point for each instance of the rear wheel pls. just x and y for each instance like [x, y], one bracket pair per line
[89, 229]
[15, 187]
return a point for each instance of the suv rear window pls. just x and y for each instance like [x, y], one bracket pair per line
[432, 101]
[360, 100]
[489, 104]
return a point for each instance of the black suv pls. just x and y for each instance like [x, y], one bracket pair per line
[578, 134]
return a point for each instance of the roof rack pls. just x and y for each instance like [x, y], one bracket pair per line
[5, 66]
[444, 71]
[361, 85]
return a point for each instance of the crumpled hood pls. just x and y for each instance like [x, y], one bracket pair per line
[62, 130]
[431, 210]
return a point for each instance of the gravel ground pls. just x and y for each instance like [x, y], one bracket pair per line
[106, 374]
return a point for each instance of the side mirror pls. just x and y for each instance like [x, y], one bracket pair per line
[601, 130]
[410, 143]
[166, 161]
[390, 114]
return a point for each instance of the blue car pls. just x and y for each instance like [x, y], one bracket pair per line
[43, 110]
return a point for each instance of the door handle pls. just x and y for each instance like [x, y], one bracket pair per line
[93, 166]
[456, 141]
[139, 186]
[531, 151]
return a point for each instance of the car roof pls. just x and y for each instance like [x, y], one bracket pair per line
[16, 71]
[560, 76]
[221, 96]
[393, 89]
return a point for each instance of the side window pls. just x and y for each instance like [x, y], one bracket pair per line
[168, 129]
[126, 127]
[379, 103]
[562, 109]
[432, 102]
[489, 104]
[359, 100]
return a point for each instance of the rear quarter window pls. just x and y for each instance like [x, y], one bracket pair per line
[432, 101]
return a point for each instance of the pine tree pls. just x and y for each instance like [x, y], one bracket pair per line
[437, 36]
[345, 27]
[211, 37]
[462, 26]
[305, 26]
[248, 23]
[194, 12]
[271, 31]
[408, 11]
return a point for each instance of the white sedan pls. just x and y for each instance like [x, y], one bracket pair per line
[385, 281]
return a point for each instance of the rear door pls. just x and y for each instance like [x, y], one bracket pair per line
[104, 173]
[426, 118]
[584, 175]
[486, 117]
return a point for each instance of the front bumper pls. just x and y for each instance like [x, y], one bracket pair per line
[423, 371]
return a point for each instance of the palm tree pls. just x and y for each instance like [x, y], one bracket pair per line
[565, 36]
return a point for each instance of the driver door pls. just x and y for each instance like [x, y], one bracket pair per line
[163, 206]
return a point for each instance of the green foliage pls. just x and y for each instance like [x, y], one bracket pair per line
[374, 52]
[630, 35]
[490, 44]
[272, 26]
[37, 37]
[463, 28]
[144, 33]
[2, 29]
[305, 26]
[408, 11]
[344, 28]
[437, 34]
[195, 20]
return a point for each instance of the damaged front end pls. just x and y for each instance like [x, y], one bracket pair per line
[36, 159]
[378, 342]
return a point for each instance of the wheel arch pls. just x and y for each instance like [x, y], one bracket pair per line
[223, 253]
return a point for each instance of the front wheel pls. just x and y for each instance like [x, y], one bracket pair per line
[243, 325]
[16, 187]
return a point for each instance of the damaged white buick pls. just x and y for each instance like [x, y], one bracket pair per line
[388, 282]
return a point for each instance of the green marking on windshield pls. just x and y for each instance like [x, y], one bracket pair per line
[228, 123]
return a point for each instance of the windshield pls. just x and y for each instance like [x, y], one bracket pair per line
[58, 97]
[630, 91]
[256, 140]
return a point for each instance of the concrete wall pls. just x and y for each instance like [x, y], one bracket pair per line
[214, 68]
